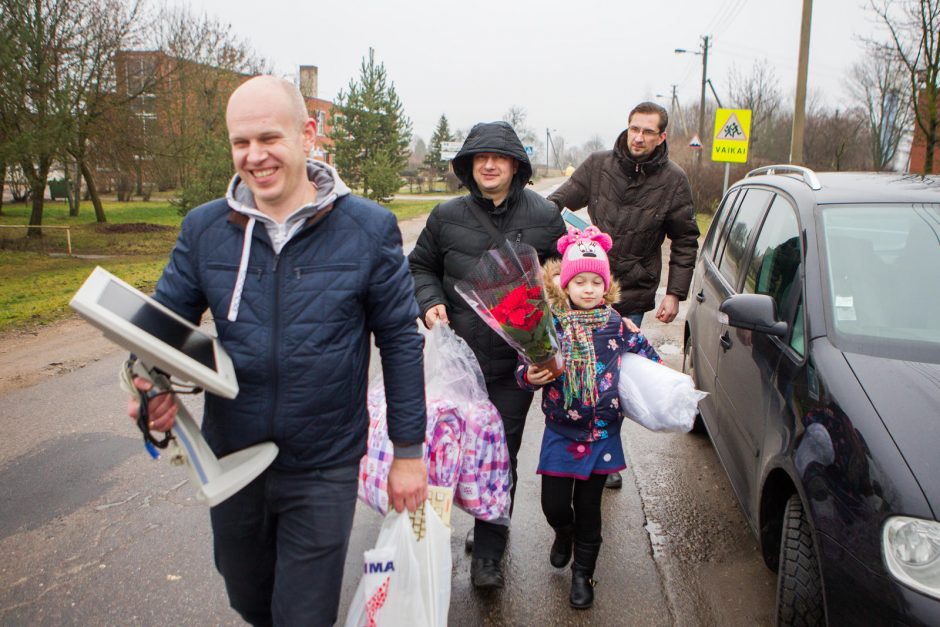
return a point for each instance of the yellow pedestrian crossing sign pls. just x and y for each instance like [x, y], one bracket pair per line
[732, 135]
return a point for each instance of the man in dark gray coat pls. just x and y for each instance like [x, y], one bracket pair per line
[637, 195]
[493, 165]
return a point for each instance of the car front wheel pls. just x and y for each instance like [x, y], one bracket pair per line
[799, 590]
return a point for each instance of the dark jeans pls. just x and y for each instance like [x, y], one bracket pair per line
[637, 318]
[280, 544]
[560, 493]
[512, 402]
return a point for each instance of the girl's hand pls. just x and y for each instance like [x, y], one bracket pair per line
[538, 376]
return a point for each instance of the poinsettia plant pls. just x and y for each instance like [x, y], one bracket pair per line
[518, 310]
[505, 289]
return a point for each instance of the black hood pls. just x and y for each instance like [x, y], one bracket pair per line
[499, 138]
[632, 167]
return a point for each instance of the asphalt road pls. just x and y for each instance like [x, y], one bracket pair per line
[94, 532]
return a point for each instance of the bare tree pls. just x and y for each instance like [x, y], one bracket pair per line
[880, 86]
[516, 116]
[109, 28]
[37, 36]
[758, 91]
[200, 62]
[914, 28]
[595, 144]
[56, 64]
[836, 139]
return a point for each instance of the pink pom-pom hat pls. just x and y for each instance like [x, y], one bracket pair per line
[584, 251]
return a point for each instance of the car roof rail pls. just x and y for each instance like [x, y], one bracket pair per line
[809, 177]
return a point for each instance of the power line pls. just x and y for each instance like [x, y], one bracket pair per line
[724, 18]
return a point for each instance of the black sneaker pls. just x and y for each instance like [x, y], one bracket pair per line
[485, 573]
[614, 481]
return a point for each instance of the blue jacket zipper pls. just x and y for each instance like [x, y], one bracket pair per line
[275, 346]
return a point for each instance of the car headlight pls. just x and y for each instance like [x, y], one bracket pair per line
[911, 548]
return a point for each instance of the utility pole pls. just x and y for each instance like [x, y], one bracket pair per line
[701, 111]
[676, 108]
[547, 144]
[799, 111]
[672, 103]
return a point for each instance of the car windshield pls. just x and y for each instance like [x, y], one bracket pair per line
[883, 287]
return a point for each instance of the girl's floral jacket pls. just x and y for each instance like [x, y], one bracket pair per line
[579, 422]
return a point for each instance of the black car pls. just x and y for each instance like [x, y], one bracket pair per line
[814, 326]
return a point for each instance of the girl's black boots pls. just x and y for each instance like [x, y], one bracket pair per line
[561, 548]
[582, 574]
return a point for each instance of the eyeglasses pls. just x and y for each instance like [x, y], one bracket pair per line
[649, 133]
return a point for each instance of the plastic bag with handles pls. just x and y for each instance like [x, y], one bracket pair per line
[405, 581]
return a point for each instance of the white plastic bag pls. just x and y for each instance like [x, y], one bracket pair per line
[656, 396]
[405, 582]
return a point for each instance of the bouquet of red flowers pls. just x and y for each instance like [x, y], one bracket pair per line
[505, 288]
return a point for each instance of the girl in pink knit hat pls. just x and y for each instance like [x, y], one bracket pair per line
[581, 442]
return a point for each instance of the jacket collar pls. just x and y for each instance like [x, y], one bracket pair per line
[328, 183]
[241, 220]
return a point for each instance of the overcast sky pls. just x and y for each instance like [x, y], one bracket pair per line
[576, 67]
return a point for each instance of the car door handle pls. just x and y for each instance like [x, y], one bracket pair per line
[700, 297]
[725, 340]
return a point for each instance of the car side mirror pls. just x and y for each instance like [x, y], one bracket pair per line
[756, 312]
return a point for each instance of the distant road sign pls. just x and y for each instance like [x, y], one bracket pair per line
[449, 150]
[695, 142]
[732, 135]
[529, 150]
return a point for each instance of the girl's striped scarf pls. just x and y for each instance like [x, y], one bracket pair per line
[578, 350]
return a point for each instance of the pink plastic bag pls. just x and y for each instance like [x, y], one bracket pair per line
[465, 445]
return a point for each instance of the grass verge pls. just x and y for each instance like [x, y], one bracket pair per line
[704, 220]
[37, 280]
[35, 289]
[406, 209]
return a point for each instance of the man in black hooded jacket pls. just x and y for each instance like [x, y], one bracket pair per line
[493, 165]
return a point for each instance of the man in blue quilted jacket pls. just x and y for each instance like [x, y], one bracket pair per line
[297, 274]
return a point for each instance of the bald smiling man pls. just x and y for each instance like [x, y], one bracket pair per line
[295, 302]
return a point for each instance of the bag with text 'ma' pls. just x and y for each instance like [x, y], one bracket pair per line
[405, 581]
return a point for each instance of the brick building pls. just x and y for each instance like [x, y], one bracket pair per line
[172, 102]
[319, 110]
[919, 149]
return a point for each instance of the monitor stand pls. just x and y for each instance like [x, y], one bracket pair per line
[217, 478]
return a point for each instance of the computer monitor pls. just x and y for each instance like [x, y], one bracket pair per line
[157, 335]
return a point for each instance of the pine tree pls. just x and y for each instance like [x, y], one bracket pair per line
[370, 132]
[432, 159]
